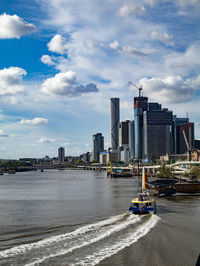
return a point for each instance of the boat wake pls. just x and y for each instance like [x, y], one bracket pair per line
[87, 245]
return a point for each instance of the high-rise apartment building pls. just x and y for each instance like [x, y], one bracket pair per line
[61, 155]
[98, 146]
[115, 116]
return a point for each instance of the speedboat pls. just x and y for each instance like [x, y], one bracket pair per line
[142, 204]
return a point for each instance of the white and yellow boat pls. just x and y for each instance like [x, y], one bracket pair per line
[143, 204]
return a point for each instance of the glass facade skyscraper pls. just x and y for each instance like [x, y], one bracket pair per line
[98, 145]
[114, 108]
[157, 131]
[140, 105]
[61, 155]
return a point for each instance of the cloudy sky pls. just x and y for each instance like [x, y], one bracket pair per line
[62, 60]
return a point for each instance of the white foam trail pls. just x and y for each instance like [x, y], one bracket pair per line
[45, 242]
[115, 228]
[108, 251]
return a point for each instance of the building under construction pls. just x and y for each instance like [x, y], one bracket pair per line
[157, 132]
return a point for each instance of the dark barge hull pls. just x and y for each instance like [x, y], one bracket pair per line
[121, 175]
[187, 188]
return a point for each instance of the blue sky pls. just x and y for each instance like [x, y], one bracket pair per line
[62, 61]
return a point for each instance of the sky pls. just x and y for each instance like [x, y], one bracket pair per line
[62, 60]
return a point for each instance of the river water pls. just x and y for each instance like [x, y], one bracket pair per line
[75, 217]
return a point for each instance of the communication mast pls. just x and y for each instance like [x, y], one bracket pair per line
[139, 88]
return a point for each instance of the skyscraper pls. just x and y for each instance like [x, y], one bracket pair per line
[157, 131]
[61, 155]
[188, 127]
[98, 146]
[114, 108]
[178, 135]
[124, 133]
[140, 105]
[131, 140]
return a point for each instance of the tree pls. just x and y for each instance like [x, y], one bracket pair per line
[164, 172]
[194, 172]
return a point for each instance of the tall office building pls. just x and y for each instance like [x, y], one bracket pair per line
[61, 155]
[157, 131]
[124, 133]
[98, 146]
[115, 114]
[131, 139]
[140, 105]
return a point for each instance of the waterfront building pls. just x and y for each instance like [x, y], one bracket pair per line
[157, 131]
[140, 105]
[124, 153]
[180, 146]
[124, 133]
[197, 144]
[131, 140]
[103, 157]
[98, 146]
[86, 157]
[195, 155]
[112, 156]
[61, 155]
[177, 134]
[173, 157]
[115, 116]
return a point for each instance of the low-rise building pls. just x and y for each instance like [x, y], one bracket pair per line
[173, 157]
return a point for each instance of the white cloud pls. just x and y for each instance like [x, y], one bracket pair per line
[186, 62]
[46, 140]
[34, 121]
[136, 52]
[11, 80]
[171, 89]
[89, 43]
[128, 10]
[57, 44]
[14, 100]
[129, 49]
[163, 37]
[14, 27]
[186, 3]
[65, 84]
[48, 60]
[114, 45]
[3, 134]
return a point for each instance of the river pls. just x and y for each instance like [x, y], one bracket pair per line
[77, 217]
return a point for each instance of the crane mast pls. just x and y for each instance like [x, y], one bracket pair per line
[139, 88]
[188, 143]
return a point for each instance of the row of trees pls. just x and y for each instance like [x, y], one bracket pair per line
[166, 172]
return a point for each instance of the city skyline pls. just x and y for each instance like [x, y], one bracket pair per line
[61, 63]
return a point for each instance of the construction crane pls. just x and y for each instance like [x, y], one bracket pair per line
[188, 143]
[139, 88]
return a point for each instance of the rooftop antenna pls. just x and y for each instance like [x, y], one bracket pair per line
[139, 88]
